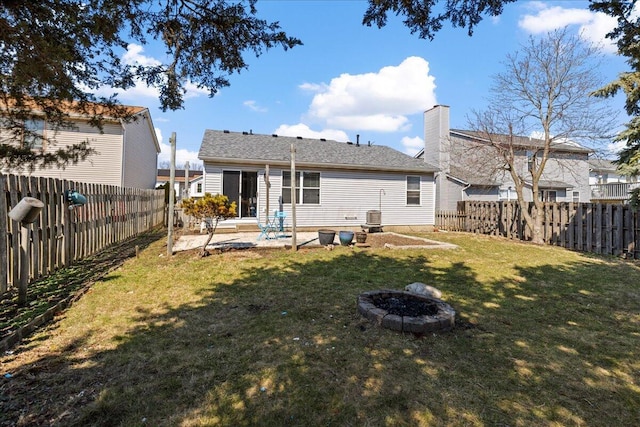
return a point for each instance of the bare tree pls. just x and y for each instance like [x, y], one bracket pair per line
[544, 90]
[166, 164]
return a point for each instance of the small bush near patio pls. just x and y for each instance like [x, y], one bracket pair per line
[544, 337]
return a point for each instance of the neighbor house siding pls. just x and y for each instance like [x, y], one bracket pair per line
[140, 155]
[450, 193]
[103, 167]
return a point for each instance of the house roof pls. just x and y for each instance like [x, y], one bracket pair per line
[472, 177]
[602, 165]
[249, 148]
[553, 184]
[74, 109]
[165, 174]
[525, 142]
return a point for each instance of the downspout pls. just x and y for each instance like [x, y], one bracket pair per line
[463, 190]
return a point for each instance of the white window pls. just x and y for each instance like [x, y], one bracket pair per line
[576, 197]
[199, 187]
[413, 190]
[33, 134]
[530, 160]
[548, 195]
[310, 184]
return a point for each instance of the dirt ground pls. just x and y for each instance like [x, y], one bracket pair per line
[378, 240]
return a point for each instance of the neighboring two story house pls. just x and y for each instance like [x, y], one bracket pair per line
[608, 185]
[126, 151]
[469, 172]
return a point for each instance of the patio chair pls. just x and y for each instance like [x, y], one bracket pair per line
[279, 218]
[268, 230]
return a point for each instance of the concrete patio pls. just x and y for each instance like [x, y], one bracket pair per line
[243, 240]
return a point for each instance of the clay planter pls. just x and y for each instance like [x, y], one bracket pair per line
[361, 236]
[325, 237]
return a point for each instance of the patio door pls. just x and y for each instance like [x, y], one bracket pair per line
[241, 187]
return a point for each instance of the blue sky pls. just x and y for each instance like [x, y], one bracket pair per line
[348, 79]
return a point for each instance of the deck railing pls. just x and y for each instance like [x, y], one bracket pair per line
[614, 191]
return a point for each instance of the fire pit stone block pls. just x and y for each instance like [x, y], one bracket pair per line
[444, 320]
[392, 321]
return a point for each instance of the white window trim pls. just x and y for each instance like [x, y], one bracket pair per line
[406, 185]
[301, 188]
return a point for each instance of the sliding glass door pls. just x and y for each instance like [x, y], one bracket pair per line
[241, 187]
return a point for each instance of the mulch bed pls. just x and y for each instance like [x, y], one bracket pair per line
[378, 240]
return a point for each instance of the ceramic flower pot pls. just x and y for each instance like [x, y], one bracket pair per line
[325, 237]
[345, 237]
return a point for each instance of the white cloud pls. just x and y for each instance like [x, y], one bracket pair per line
[193, 91]
[412, 145]
[134, 56]
[253, 106]
[182, 155]
[305, 132]
[374, 101]
[593, 26]
[614, 148]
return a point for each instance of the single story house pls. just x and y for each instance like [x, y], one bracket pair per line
[337, 183]
[470, 171]
[180, 182]
[126, 151]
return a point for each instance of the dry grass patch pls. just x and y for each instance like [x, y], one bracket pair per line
[545, 337]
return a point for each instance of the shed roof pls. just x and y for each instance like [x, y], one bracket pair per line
[256, 149]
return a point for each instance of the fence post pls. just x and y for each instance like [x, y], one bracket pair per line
[4, 253]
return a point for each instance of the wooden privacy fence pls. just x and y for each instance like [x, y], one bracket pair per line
[612, 229]
[450, 220]
[62, 235]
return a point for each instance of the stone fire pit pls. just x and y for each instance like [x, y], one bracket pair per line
[406, 311]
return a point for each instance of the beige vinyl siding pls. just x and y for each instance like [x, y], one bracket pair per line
[345, 198]
[103, 167]
[212, 179]
[140, 154]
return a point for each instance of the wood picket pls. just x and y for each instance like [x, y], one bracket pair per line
[601, 228]
[60, 235]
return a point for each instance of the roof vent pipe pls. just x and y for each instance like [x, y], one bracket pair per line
[358, 140]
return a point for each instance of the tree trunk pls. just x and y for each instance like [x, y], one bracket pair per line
[211, 231]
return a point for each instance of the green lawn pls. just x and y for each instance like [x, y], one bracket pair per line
[545, 337]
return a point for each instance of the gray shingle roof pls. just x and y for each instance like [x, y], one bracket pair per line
[244, 148]
[526, 142]
[473, 177]
[602, 165]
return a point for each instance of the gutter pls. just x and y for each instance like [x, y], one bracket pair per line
[286, 164]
